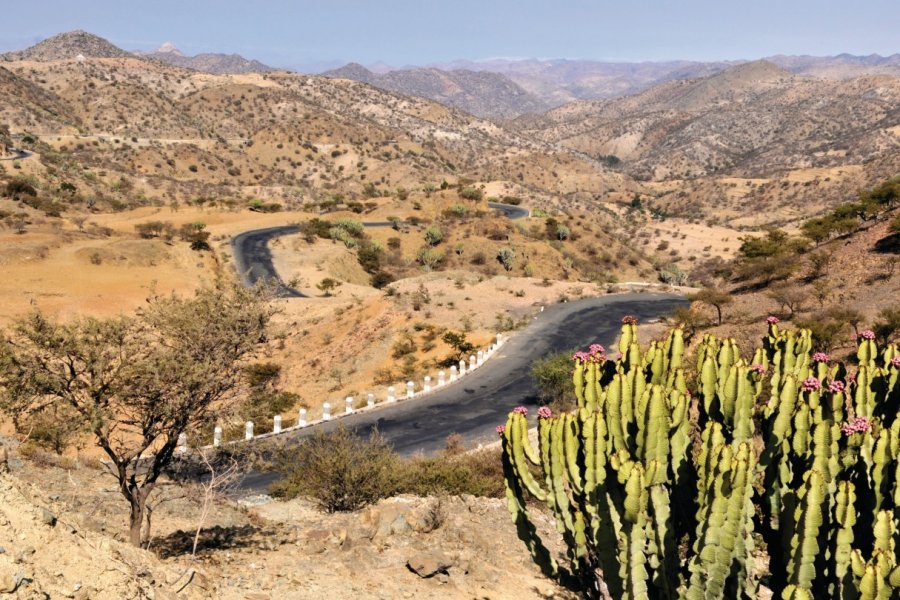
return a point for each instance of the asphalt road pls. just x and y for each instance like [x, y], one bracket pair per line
[479, 402]
[253, 258]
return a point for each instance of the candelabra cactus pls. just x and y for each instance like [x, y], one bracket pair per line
[644, 470]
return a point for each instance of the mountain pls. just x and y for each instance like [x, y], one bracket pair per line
[480, 93]
[68, 46]
[751, 119]
[559, 81]
[215, 63]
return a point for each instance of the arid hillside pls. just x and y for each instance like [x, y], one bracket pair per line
[752, 132]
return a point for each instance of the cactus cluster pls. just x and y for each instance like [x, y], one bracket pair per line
[667, 485]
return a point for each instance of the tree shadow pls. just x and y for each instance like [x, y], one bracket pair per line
[214, 538]
[888, 245]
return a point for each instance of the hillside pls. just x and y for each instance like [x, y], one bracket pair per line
[209, 62]
[480, 93]
[559, 82]
[67, 46]
[743, 135]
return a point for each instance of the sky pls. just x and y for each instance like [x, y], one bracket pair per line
[287, 33]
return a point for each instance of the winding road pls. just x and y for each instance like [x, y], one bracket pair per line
[253, 258]
[479, 402]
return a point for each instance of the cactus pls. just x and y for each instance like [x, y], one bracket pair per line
[632, 480]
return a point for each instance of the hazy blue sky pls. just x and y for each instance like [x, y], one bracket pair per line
[284, 32]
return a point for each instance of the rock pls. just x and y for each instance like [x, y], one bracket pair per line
[4, 460]
[429, 564]
[47, 517]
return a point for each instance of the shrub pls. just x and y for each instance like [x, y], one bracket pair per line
[506, 256]
[434, 235]
[553, 377]
[338, 470]
[471, 193]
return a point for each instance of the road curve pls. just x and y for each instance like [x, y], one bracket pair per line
[477, 404]
[253, 258]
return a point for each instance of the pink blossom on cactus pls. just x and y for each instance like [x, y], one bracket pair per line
[520, 410]
[867, 334]
[500, 429]
[856, 425]
[758, 368]
[582, 356]
[810, 384]
[629, 320]
[596, 349]
[836, 386]
[544, 412]
[772, 320]
[820, 357]
[618, 356]
[895, 362]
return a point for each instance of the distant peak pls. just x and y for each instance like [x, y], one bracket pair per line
[169, 48]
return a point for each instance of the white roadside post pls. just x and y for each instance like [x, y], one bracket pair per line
[427, 386]
[182, 443]
[471, 362]
[248, 431]
[276, 426]
[462, 367]
[217, 437]
[349, 402]
[326, 412]
[442, 379]
[301, 418]
[390, 395]
[500, 339]
[453, 374]
[480, 358]
[410, 389]
[370, 400]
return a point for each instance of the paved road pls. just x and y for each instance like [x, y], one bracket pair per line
[19, 155]
[477, 404]
[481, 401]
[253, 258]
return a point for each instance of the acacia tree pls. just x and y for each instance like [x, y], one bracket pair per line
[715, 298]
[136, 383]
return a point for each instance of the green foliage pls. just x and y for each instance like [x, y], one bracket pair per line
[457, 341]
[433, 235]
[507, 257]
[784, 450]
[552, 375]
[18, 187]
[339, 470]
[471, 193]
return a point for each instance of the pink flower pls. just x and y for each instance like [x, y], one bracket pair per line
[580, 356]
[896, 361]
[629, 320]
[820, 357]
[867, 334]
[856, 425]
[596, 349]
[772, 320]
[544, 412]
[500, 429]
[836, 386]
[810, 384]
[758, 368]
[520, 410]
[618, 356]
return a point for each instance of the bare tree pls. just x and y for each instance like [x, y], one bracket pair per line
[223, 474]
[136, 383]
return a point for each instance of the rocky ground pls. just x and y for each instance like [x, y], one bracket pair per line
[63, 527]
